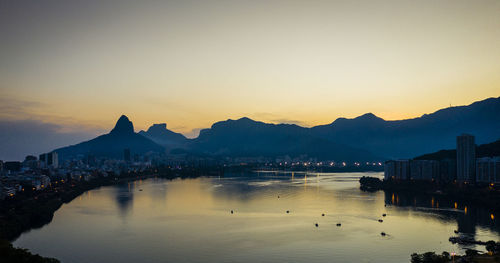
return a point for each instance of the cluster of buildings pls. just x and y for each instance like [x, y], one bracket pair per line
[38, 173]
[34, 174]
[264, 162]
[465, 168]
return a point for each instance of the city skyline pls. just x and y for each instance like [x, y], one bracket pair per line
[79, 66]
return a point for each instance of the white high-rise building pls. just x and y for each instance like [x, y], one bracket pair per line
[466, 158]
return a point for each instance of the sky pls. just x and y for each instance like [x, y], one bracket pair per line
[74, 67]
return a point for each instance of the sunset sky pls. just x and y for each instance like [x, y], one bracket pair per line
[80, 65]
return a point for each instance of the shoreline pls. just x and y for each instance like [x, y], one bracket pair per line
[35, 209]
[407, 192]
[466, 194]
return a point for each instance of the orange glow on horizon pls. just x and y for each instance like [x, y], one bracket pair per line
[306, 63]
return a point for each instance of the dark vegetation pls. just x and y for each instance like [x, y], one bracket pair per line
[471, 256]
[10, 254]
[430, 257]
[370, 183]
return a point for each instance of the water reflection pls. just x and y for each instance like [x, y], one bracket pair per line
[469, 219]
[190, 221]
[124, 198]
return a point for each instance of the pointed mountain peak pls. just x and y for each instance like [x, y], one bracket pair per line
[123, 126]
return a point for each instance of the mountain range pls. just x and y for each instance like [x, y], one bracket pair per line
[363, 138]
[411, 137]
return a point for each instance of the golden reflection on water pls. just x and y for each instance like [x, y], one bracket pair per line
[189, 220]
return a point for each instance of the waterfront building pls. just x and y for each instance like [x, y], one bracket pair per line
[448, 170]
[466, 158]
[415, 170]
[424, 170]
[488, 170]
[466, 168]
[389, 168]
[403, 169]
[397, 169]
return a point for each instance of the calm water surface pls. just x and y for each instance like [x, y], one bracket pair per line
[189, 220]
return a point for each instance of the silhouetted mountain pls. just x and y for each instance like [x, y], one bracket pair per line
[483, 150]
[162, 136]
[407, 138]
[112, 144]
[123, 126]
[245, 137]
[366, 137]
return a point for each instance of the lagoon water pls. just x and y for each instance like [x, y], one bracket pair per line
[189, 220]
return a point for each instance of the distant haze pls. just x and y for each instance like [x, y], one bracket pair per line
[29, 137]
